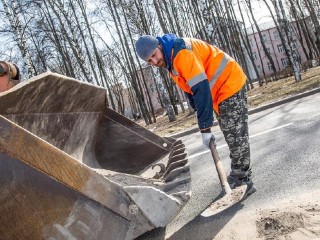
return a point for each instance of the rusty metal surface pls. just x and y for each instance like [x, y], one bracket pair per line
[123, 146]
[73, 117]
[52, 93]
[35, 206]
[31, 152]
[28, 148]
[73, 133]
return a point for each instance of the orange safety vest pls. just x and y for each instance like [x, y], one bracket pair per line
[198, 60]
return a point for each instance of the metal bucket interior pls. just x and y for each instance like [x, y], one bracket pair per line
[74, 118]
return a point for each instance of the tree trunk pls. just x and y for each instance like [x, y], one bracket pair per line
[16, 27]
[261, 38]
[287, 31]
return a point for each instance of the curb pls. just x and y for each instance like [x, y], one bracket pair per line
[254, 110]
[285, 100]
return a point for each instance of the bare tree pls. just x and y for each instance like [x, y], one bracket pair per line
[313, 50]
[69, 32]
[19, 38]
[69, 37]
[287, 31]
[268, 55]
[312, 5]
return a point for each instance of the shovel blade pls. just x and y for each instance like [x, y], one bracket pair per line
[225, 202]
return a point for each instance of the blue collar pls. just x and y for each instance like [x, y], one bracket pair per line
[167, 42]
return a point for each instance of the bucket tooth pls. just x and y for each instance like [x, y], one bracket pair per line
[179, 146]
[176, 172]
[177, 142]
[175, 165]
[177, 157]
[176, 152]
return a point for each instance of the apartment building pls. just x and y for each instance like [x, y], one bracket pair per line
[271, 38]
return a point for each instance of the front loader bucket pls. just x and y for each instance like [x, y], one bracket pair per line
[71, 168]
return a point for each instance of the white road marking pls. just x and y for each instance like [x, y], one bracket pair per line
[253, 136]
[271, 130]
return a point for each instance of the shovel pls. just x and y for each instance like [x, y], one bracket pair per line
[230, 196]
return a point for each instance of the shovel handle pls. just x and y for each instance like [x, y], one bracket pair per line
[221, 173]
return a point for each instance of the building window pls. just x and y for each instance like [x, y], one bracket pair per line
[264, 38]
[254, 56]
[259, 69]
[294, 43]
[250, 42]
[269, 66]
[153, 88]
[280, 48]
[285, 62]
[276, 35]
[268, 50]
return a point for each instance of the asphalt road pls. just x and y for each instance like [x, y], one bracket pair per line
[285, 158]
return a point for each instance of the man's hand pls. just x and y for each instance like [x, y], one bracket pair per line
[206, 137]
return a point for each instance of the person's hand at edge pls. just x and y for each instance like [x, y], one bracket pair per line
[207, 136]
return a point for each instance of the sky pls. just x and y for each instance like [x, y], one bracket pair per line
[261, 12]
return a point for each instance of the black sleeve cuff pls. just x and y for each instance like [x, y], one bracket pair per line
[208, 130]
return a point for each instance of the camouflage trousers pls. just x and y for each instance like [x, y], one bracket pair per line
[233, 121]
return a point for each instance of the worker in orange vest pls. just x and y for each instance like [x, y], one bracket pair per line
[9, 75]
[213, 82]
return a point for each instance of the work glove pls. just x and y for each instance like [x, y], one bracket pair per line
[206, 137]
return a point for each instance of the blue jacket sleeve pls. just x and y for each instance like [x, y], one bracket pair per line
[203, 102]
[189, 95]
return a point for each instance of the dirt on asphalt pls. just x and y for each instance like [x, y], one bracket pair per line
[297, 218]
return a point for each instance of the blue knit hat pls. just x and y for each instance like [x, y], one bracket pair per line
[145, 46]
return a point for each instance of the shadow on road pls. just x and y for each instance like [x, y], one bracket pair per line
[200, 228]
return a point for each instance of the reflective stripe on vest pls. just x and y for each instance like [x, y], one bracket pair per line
[196, 79]
[202, 76]
[220, 69]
